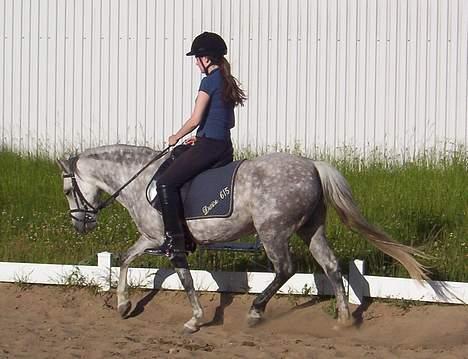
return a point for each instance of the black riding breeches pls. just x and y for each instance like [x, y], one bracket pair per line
[204, 154]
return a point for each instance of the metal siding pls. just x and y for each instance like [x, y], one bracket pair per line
[462, 75]
[3, 22]
[357, 76]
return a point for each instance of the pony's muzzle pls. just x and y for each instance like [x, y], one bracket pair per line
[83, 222]
[84, 228]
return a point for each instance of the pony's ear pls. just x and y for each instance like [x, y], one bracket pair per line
[64, 165]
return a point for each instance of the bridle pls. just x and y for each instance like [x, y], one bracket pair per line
[86, 207]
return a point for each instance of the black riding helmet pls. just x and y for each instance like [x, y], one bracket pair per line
[208, 44]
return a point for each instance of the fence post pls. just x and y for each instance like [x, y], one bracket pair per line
[105, 268]
[357, 282]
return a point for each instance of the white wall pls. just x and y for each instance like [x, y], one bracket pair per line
[386, 74]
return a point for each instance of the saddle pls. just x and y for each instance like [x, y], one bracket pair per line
[208, 195]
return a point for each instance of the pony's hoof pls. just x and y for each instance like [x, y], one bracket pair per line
[124, 309]
[345, 319]
[254, 318]
[252, 322]
[189, 329]
[343, 324]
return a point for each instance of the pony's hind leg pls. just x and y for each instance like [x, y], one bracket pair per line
[179, 261]
[313, 234]
[277, 249]
[123, 303]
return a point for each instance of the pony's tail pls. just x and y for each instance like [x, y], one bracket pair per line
[337, 192]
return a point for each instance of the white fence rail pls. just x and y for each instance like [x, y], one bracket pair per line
[323, 75]
[357, 284]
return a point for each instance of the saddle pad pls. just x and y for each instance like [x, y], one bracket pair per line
[209, 195]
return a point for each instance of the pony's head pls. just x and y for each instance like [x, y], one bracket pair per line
[82, 196]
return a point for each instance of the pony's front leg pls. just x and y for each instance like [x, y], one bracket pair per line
[123, 303]
[179, 261]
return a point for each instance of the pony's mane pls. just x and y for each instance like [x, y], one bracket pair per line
[127, 154]
[111, 150]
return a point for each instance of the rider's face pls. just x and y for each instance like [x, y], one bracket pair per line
[200, 61]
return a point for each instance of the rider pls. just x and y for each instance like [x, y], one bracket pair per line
[213, 114]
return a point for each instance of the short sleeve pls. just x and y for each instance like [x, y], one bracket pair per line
[207, 86]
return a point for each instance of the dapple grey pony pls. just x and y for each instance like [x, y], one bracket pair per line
[275, 195]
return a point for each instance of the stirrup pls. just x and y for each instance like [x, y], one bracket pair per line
[164, 251]
[173, 244]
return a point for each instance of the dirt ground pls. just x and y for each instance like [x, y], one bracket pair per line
[54, 322]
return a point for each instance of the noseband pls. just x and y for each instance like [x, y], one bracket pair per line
[88, 209]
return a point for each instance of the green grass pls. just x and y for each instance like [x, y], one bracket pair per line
[423, 203]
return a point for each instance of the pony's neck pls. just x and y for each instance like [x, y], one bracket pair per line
[110, 167]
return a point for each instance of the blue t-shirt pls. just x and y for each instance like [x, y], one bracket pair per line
[218, 117]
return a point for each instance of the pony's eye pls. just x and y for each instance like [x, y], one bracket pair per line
[67, 192]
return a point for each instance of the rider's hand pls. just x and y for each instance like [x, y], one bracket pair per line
[172, 140]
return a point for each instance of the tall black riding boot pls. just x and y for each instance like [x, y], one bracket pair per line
[171, 208]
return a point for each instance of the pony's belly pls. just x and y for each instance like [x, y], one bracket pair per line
[220, 229]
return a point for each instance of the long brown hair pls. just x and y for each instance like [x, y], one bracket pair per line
[232, 92]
